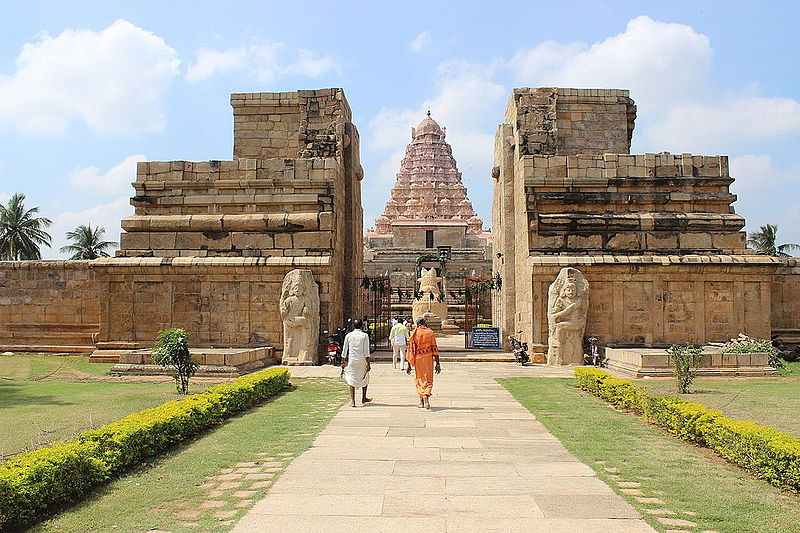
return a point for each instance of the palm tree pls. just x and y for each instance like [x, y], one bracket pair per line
[21, 233]
[87, 243]
[764, 242]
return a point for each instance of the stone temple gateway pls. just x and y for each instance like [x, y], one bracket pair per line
[655, 234]
[209, 248]
[210, 244]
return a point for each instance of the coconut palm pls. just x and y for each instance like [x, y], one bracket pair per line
[87, 243]
[764, 241]
[21, 232]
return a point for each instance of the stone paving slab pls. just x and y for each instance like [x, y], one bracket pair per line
[477, 461]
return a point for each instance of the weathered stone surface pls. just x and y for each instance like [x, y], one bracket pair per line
[567, 306]
[299, 308]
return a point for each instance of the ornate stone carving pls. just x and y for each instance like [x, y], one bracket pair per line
[428, 303]
[299, 306]
[429, 185]
[567, 306]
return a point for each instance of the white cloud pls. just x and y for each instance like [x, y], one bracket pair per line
[4, 197]
[660, 62]
[767, 194]
[116, 180]
[266, 62]
[666, 67]
[420, 42]
[106, 215]
[311, 64]
[114, 80]
[725, 124]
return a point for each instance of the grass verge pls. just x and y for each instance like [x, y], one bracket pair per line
[46, 398]
[772, 402]
[208, 483]
[692, 483]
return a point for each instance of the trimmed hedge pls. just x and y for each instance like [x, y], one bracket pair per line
[763, 451]
[63, 472]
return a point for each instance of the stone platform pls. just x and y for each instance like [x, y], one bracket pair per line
[224, 362]
[655, 362]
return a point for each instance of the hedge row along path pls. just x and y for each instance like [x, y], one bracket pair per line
[477, 461]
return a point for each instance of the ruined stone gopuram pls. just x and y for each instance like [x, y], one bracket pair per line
[210, 243]
[655, 235]
[428, 213]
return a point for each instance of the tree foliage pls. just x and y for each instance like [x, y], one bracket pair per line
[87, 243]
[21, 231]
[764, 242]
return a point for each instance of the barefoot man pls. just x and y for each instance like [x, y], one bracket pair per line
[421, 354]
[355, 361]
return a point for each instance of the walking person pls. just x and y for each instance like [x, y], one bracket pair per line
[356, 361]
[398, 336]
[422, 352]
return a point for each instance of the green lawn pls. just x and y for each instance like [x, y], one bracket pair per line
[772, 402]
[47, 398]
[187, 489]
[692, 482]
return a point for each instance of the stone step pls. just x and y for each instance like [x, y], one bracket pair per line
[46, 348]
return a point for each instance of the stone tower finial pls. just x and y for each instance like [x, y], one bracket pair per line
[429, 113]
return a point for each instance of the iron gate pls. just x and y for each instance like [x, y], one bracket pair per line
[476, 302]
[372, 303]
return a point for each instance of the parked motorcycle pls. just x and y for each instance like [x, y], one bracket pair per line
[593, 356]
[520, 350]
[335, 342]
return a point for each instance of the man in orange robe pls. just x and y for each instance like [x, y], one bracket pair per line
[421, 354]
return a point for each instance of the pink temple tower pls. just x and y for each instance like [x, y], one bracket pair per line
[428, 212]
[428, 205]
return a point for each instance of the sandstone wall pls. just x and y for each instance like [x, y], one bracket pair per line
[49, 306]
[655, 234]
[657, 301]
[786, 301]
[571, 121]
[210, 241]
[221, 302]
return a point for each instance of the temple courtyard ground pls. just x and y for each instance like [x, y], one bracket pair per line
[504, 448]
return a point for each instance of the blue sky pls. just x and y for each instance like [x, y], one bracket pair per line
[88, 88]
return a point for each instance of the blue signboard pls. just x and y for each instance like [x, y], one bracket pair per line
[486, 338]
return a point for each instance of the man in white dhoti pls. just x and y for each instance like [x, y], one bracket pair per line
[355, 362]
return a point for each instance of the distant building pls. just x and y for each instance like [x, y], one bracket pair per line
[428, 213]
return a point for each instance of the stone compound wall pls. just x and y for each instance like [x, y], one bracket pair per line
[661, 300]
[210, 241]
[49, 306]
[655, 234]
[786, 302]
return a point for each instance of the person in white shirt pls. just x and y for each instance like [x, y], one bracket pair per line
[356, 361]
[398, 337]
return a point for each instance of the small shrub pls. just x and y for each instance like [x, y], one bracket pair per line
[173, 350]
[745, 344]
[684, 359]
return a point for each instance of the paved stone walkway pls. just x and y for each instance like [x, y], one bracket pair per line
[477, 461]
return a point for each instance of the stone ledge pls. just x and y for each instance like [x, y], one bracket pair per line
[691, 259]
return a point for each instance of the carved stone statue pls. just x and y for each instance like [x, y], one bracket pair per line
[429, 304]
[567, 306]
[299, 306]
[429, 282]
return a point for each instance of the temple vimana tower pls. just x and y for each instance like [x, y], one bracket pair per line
[428, 213]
